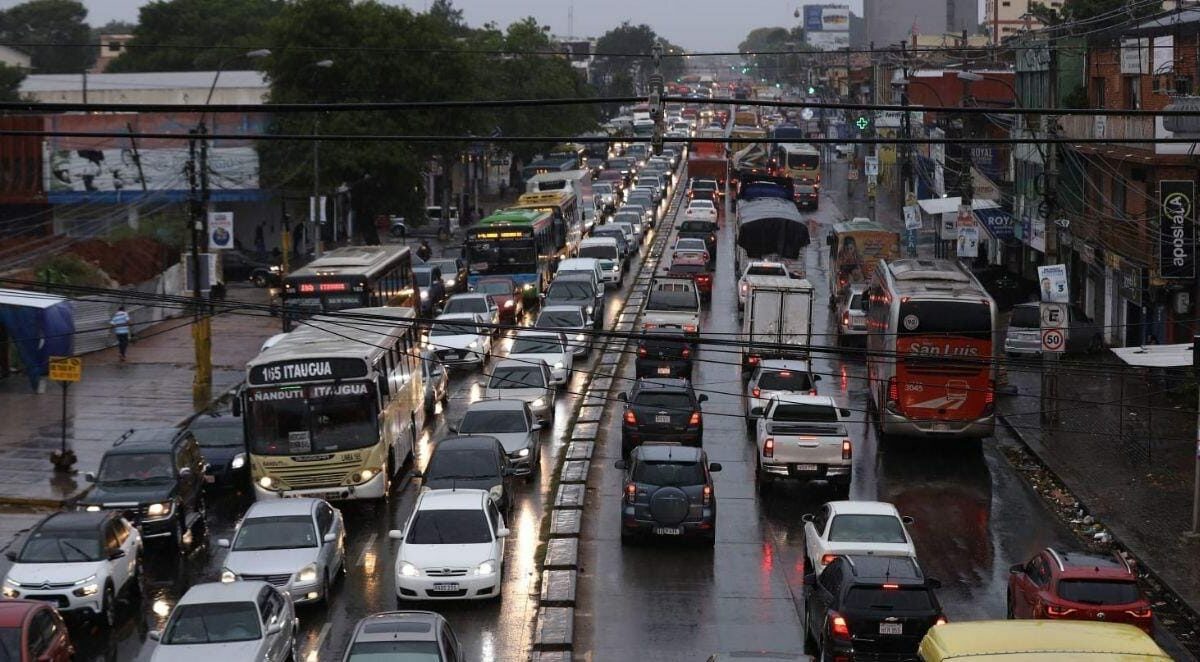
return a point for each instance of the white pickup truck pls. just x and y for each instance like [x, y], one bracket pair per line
[673, 303]
[803, 438]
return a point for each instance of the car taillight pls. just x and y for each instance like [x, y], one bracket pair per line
[703, 278]
[642, 352]
[941, 620]
[1140, 613]
[989, 398]
[753, 360]
[828, 558]
[812, 391]
[1055, 610]
[769, 447]
[890, 587]
[695, 418]
[756, 392]
[707, 495]
[846, 449]
[690, 328]
[630, 492]
[838, 626]
[846, 319]
[686, 353]
[893, 393]
[630, 417]
[745, 288]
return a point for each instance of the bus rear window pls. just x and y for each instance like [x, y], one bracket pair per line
[945, 318]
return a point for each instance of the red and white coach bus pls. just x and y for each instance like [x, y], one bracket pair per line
[930, 339]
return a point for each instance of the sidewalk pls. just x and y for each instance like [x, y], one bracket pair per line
[154, 388]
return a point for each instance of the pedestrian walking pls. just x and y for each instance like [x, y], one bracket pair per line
[120, 326]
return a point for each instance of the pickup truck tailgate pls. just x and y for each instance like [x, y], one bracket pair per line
[807, 443]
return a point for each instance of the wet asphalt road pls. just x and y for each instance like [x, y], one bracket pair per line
[667, 601]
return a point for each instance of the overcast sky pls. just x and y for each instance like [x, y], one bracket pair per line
[702, 25]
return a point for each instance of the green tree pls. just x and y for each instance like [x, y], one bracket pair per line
[58, 26]
[180, 35]
[10, 82]
[626, 39]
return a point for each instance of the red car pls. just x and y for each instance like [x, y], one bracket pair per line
[694, 265]
[509, 296]
[32, 631]
[1078, 586]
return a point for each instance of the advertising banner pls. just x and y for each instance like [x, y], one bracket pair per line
[1177, 229]
[220, 230]
[1053, 280]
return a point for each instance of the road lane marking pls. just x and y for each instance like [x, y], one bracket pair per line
[370, 547]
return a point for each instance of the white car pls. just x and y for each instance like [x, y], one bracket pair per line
[296, 545]
[511, 422]
[855, 527]
[459, 338]
[757, 268]
[229, 621]
[776, 377]
[689, 244]
[451, 548]
[528, 381]
[551, 347]
[481, 304]
[633, 232]
[81, 561]
[701, 210]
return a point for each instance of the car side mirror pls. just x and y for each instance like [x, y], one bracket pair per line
[274, 628]
[154, 635]
[90, 476]
[1015, 569]
[756, 411]
[703, 398]
[116, 554]
[623, 397]
[810, 579]
[543, 424]
[907, 519]
[10, 555]
[452, 428]
[816, 378]
[330, 537]
[503, 532]
[536, 426]
[844, 412]
[714, 467]
[185, 472]
[620, 464]
[223, 542]
[807, 517]
[933, 583]
[236, 406]
[396, 534]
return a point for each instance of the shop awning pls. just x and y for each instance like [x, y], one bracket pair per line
[1156, 356]
[40, 325]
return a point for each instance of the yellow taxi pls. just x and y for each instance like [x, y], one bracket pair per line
[1038, 641]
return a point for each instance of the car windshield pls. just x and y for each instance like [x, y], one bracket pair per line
[668, 401]
[218, 436]
[673, 299]
[465, 464]
[517, 377]
[423, 277]
[690, 245]
[455, 329]
[536, 345]
[1026, 317]
[785, 380]
[687, 269]
[449, 268]
[569, 291]
[804, 413]
[449, 527]
[494, 287]
[1093, 592]
[60, 547]
[10, 645]
[858, 302]
[395, 651]
[213, 623]
[627, 217]
[284, 532]
[766, 270]
[888, 599]
[696, 226]
[497, 421]
[136, 468]
[668, 474]
[466, 305]
[866, 528]
[560, 319]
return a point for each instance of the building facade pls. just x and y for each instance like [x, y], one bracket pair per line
[890, 22]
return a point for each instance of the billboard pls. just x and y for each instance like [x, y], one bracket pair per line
[115, 168]
[828, 41]
[1177, 229]
[826, 18]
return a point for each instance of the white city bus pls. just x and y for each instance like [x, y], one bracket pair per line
[332, 409]
[930, 338]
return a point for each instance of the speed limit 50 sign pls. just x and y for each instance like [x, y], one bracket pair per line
[1053, 340]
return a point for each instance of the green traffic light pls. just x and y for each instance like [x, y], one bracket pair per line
[812, 90]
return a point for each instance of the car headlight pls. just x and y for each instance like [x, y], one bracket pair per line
[579, 337]
[86, 590]
[509, 303]
[452, 282]
[424, 294]
[275, 268]
[590, 310]
[496, 492]
[265, 481]
[524, 452]
[540, 402]
[228, 576]
[10, 592]
[93, 509]
[473, 344]
[486, 568]
[558, 365]
[307, 574]
[527, 286]
[238, 462]
[365, 475]
[408, 570]
[159, 509]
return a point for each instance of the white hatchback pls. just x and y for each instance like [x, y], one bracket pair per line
[459, 338]
[855, 527]
[531, 345]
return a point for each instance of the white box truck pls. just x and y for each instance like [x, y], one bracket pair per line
[777, 321]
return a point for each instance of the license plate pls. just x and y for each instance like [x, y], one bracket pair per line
[668, 531]
[891, 628]
[446, 586]
[661, 418]
[806, 467]
[940, 427]
[666, 370]
[209, 478]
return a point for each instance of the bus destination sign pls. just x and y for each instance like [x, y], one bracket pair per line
[307, 370]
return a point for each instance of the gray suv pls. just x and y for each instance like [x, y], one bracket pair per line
[1024, 334]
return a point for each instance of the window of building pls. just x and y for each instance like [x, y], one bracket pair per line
[1099, 91]
[1183, 85]
[1005, 4]
[1131, 92]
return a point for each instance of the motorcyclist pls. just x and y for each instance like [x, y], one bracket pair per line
[424, 251]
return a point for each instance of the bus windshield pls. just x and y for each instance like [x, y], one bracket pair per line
[315, 419]
[507, 257]
[803, 161]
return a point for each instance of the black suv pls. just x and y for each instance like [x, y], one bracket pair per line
[664, 352]
[668, 492]
[870, 606]
[661, 410]
[155, 478]
[474, 462]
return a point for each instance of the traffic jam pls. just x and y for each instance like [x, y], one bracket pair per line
[377, 488]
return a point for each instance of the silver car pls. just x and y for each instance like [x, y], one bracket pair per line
[514, 424]
[852, 311]
[436, 380]
[774, 378]
[296, 545]
[237, 621]
[1024, 334]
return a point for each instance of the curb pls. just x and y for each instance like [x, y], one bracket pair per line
[554, 626]
[1116, 542]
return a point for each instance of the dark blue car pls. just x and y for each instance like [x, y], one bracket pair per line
[223, 444]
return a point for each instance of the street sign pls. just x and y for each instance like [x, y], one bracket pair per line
[852, 175]
[1053, 340]
[872, 165]
[1054, 315]
[66, 368]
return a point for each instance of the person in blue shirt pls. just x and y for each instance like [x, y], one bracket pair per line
[120, 325]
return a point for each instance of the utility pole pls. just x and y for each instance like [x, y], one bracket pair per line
[907, 188]
[201, 329]
[1050, 366]
[874, 147]
[655, 102]
[314, 228]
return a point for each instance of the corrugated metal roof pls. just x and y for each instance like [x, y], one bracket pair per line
[160, 80]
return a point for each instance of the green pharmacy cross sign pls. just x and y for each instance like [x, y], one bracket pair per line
[862, 123]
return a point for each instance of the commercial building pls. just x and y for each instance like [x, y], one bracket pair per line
[889, 22]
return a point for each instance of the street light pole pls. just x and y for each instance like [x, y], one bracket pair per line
[316, 205]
